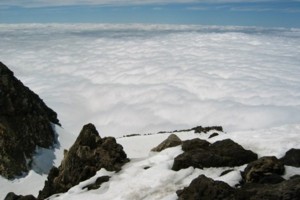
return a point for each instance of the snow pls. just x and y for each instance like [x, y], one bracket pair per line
[148, 78]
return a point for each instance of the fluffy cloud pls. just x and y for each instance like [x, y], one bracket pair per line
[138, 78]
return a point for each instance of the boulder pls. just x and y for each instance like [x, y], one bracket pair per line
[206, 189]
[25, 123]
[213, 135]
[195, 143]
[264, 170]
[86, 156]
[225, 153]
[172, 141]
[292, 158]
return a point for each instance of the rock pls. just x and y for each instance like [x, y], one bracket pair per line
[25, 123]
[226, 172]
[97, 183]
[213, 135]
[195, 143]
[206, 189]
[225, 153]
[292, 158]
[13, 196]
[87, 155]
[233, 152]
[286, 190]
[264, 170]
[200, 129]
[172, 141]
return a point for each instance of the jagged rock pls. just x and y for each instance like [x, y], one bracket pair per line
[200, 129]
[88, 154]
[292, 158]
[206, 189]
[195, 143]
[225, 153]
[25, 123]
[13, 196]
[172, 141]
[264, 170]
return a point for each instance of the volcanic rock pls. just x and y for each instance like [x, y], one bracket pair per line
[292, 158]
[172, 141]
[25, 123]
[88, 154]
[200, 129]
[206, 189]
[265, 169]
[225, 153]
[193, 144]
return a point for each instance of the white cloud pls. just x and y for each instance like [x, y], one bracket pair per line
[138, 78]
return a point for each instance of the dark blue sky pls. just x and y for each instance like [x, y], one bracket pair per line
[260, 13]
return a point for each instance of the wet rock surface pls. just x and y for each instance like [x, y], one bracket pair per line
[25, 123]
[88, 154]
[13, 196]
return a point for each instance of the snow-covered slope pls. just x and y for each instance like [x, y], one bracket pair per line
[148, 175]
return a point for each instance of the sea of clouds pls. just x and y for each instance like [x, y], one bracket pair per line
[148, 78]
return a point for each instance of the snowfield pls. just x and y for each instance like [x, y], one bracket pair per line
[148, 78]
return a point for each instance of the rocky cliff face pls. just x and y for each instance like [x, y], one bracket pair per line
[25, 123]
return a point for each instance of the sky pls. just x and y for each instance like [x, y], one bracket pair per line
[266, 13]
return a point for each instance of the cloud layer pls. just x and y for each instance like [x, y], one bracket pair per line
[138, 78]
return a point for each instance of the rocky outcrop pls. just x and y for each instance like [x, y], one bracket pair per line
[206, 189]
[196, 143]
[200, 129]
[88, 154]
[25, 123]
[225, 153]
[292, 158]
[264, 170]
[172, 141]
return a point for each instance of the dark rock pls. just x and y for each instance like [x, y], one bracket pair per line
[206, 189]
[226, 172]
[233, 152]
[213, 135]
[225, 153]
[97, 183]
[88, 154]
[292, 158]
[200, 129]
[25, 123]
[13, 196]
[286, 190]
[263, 170]
[195, 143]
[172, 141]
